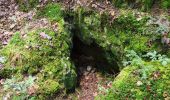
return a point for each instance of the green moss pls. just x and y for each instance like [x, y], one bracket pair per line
[142, 4]
[45, 53]
[49, 87]
[126, 32]
[47, 56]
[51, 11]
[165, 4]
[26, 5]
[7, 72]
[131, 84]
[32, 70]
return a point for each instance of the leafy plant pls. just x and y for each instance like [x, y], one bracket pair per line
[163, 59]
[20, 86]
[132, 58]
[159, 25]
[152, 55]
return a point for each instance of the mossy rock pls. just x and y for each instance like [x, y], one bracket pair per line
[44, 53]
[49, 87]
[125, 32]
[134, 82]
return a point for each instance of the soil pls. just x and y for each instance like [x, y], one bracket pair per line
[91, 80]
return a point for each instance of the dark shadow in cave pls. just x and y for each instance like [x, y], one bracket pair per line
[84, 55]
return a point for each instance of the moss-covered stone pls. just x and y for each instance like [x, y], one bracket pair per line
[49, 87]
[44, 53]
[127, 31]
[140, 82]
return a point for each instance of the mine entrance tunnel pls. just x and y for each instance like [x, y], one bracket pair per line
[87, 57]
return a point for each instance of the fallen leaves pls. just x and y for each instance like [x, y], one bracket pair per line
[32, 89]
[156, 75]
[166, 95]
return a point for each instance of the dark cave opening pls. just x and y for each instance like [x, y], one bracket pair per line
[89, 57]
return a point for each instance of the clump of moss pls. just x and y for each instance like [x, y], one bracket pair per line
[26, 5]
[142, 4]
[165, 4]
[49, 87]
[141, 80]
[7, 72]
[52, 12]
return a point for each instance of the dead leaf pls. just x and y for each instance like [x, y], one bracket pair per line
[32, 89]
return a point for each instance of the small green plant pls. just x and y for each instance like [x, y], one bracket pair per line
[159, 25]
[165, 4]
[20, 86]
[153, 56]
[16, 86]
[132, 58]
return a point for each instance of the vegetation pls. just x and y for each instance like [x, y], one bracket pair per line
[37, 65]
[141, 79]
[26, 5]
[142, 4]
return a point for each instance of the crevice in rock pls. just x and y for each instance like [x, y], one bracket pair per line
[90, 60]
[85, 55]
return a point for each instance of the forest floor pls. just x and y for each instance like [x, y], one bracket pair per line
[91, 81]
[13, 20]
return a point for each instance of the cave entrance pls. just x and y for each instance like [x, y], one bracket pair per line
[90, 60]
[84, 55]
